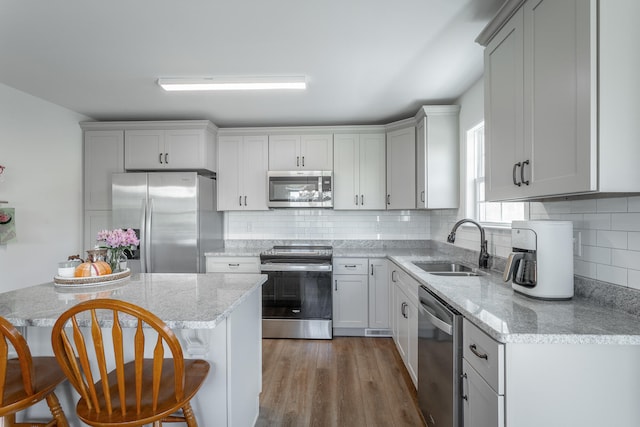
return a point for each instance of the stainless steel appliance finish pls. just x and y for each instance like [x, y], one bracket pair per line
[174, 215]
[439, 361]
[297, 299]
[300, 189]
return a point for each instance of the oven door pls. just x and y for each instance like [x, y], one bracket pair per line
[297, 304]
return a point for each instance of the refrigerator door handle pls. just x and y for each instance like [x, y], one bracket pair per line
[149, 267]
[143, 237]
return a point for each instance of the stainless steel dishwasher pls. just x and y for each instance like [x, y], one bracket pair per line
[439, 361]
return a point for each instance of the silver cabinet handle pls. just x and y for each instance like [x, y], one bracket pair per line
[362, 199]
[474, 350]
[372, 269]
[166, 158]
[234, 265]
[336, 281]
[388, 199]
[160, 158]
[350, 266]
[403, 310]
[526, 162]
[356, 200]
[245, 200]
[513, 173]
[393, 278]
[422, 196]
[298, 161]
[240, 200]
[465, 381]
[302, 161]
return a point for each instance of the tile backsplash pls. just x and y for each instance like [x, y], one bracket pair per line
[327, 224]
[609, 229]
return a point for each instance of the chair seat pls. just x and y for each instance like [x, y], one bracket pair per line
[195, 372]
[47, 374]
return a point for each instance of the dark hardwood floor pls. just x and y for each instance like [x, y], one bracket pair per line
[341, 382]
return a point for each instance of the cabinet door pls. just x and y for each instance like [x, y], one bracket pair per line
[503, 111]
[558, 102]
[402, 324]
[412, 341]
[346, 188]
[229, 173]
[401, 169]
[144, 149]
[255, 159]
[103, 156]
[373, 177]
[481, 405]
[316, 152]
[284, 152]
[185, 149]
[350, 302]
[379, 295]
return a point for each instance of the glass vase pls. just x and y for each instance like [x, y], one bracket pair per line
[114, 257]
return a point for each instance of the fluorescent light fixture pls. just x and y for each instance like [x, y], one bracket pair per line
[233, 83]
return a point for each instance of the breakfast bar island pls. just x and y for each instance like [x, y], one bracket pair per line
[216, 317]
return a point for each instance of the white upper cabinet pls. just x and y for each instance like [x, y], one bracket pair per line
[103, 156]
[161, 147]
[301, 152]
[242, 172]
[401, 168]
[359, 171]
[437, 157]
[559, 117]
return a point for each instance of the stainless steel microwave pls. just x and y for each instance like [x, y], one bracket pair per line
[300, 189]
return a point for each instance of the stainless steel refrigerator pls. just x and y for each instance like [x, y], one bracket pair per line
[174, 215]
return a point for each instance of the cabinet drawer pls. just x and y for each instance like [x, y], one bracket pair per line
[485, 355]
[217, 264]
[350, 265]
[408, 284]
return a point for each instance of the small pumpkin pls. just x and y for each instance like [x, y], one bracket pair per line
[95, 264]
[88, 269]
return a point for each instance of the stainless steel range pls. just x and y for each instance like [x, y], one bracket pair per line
[296, 300]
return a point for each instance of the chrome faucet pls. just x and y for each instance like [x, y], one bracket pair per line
[483, 261]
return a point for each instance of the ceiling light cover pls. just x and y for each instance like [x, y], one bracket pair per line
[233, 83]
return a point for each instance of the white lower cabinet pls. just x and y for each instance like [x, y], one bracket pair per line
[238, 264]
[379, 294]
[350, 293]
[405, 319]
[481, 405]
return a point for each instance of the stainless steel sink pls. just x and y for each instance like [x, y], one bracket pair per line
[447, 268]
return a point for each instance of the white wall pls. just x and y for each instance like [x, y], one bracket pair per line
[41, 147]
[327, 224]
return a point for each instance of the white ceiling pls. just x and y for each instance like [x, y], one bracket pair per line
[366, 61]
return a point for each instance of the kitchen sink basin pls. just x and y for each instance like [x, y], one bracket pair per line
[439, 267]
[446, 268]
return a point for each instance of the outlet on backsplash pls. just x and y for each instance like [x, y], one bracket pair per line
[577, 244]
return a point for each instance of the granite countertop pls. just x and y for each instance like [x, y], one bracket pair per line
[244, 251]
[182, 301]
[510, 317]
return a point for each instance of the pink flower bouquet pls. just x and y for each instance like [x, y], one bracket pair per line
[117, 241]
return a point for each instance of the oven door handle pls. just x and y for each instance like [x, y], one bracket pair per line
[295, 267]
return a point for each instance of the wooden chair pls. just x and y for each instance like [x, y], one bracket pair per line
[26, 380]
[136, 392]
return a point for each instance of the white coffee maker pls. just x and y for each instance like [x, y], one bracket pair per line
[541, 264]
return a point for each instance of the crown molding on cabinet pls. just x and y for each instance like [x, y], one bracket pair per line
[502, 16]
[155, 124]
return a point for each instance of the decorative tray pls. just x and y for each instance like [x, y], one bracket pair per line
[90, 281]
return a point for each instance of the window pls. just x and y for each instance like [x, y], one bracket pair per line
[495, 213]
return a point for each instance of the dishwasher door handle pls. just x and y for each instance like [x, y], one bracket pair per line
[438, 323]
